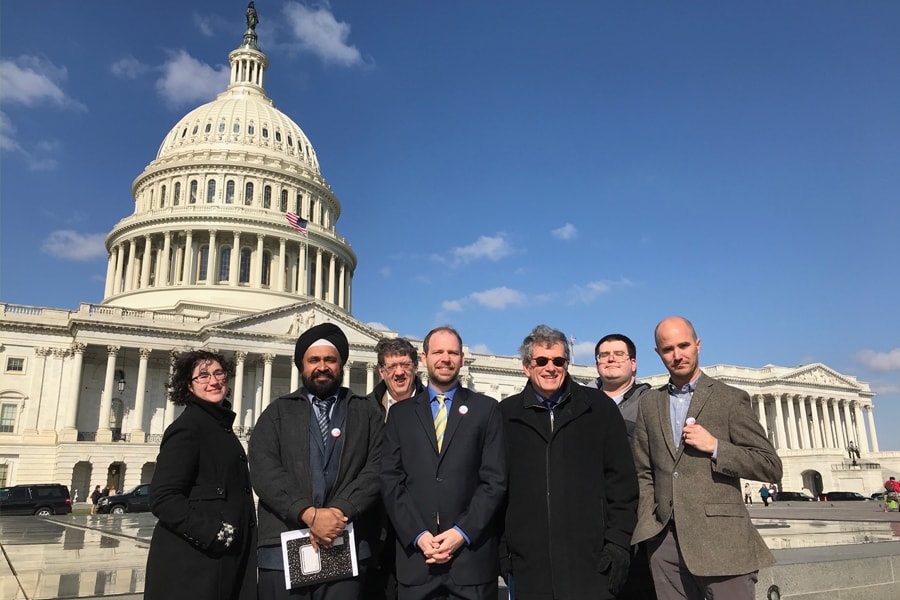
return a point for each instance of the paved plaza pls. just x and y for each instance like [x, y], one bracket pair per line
[94, 556]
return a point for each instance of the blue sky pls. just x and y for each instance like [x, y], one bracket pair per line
[595, 166]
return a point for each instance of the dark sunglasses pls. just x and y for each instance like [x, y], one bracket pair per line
[542, 361]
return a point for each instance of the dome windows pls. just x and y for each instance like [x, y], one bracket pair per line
[251, 130]
[229, 192]
[162, 197]
[290, 142]
[210, 191]
[208, 128]
[267, 197]
[222, 127]
[244, 274]
[277, 136]
[196, 128]
[265, 132]
[236, 128]
[193, 199]
[284, 197]
[177, 197]
[248, 194]
[224, 263]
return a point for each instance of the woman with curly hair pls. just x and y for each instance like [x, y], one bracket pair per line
[204, 545]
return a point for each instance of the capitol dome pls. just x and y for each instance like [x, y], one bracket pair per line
[210, 230]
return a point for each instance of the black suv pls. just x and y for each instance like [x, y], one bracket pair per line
[41, 499]
[137, 500]
[793, 496]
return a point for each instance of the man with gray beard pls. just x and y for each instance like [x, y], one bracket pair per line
[315, 458]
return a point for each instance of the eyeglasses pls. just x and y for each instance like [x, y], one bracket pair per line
[558, 361]
[403, 366]
[204, 377]
[618, 355]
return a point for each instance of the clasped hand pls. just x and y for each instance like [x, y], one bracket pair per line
[328, 525]
[439, 549]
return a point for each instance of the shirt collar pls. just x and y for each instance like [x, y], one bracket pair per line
[688, 388]
[432, 393]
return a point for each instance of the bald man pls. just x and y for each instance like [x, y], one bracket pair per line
[695, 438]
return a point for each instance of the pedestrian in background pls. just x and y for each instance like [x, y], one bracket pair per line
[764, 494]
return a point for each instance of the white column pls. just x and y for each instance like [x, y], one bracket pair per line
[237, 392]
[164, 262]
[188, 268]
[104, 433]
[829, 424]
[129, 267]
[779, 423]
[346, 380]
[120, 266]
[36, 390]
[211, 272]
[235, 259]
[805, 420]
[370, 377]
[295, 377]
[267, 378]
[860, 428]
[278, 276]
[169, 411]
[257, 279]
[792, 422]
[848, 425]
[871, 419]
[137, 425]
[318, 288]
[110, 272]
[329, 293]
[817, 423]
[342, 287]
[146, 262]
[761, 411]
[303, 277]
[74, 385]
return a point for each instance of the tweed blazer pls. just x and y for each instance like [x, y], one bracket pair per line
[702, 495]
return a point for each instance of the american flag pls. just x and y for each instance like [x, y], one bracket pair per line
[296, 222]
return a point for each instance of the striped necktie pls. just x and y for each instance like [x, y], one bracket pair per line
[440, 420]
[323, 407]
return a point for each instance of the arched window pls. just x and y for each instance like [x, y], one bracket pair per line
[267, 197]
[224, 263]
[222, 127]
[251, 129]
[194, 132]
[290, 141]
[312, 210]
[265, 132]
[162, 197]
[236, 128]
[193, 191]
[284, 196]
[203, 263]
[177, 198]
[229, 192]
[299, 203]
[248, 194]
[208, 128]
[210, 191]
[266, 266]
[277, 136]
[244, 276]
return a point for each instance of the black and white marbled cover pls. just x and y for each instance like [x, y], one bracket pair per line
[304, 566]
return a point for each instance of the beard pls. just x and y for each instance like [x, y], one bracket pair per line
[323, 389]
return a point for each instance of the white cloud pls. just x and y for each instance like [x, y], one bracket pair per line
[378, 326]
[320, 33]
[452, 305]
[7, 134]
[583, 352]
[498, 298]
[886, 388]
[204, 24]
[186, 80]
[128, 68]
[480, 349]
[587, 293]
[491, 248]
[72, 245]
[566, 232]
[31, 81]
[880, 361]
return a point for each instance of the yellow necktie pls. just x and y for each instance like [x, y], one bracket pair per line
[440, 420]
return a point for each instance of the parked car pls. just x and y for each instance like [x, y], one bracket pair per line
[137, 500]
[879, 496]
[793, 497]
[41, 499]
[844, 496]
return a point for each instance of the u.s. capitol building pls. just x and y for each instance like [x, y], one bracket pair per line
[208, 260]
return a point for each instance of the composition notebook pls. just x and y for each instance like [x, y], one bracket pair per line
[305, 566]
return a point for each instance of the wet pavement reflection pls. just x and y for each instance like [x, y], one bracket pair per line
[94, 556]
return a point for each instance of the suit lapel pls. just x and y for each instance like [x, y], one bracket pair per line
[665, 421]
[423, 411]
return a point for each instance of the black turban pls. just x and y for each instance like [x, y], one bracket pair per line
[325, 331]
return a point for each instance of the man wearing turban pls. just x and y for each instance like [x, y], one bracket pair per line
[315, 457]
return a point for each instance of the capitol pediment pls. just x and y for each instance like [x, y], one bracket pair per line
[820, 375]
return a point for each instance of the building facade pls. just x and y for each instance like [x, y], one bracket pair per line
[209, 260]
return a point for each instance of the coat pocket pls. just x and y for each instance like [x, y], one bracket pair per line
[201, 493]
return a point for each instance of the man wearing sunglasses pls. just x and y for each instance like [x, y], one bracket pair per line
[572, 488]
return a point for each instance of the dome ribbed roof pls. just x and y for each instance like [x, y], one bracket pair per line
[241, 119]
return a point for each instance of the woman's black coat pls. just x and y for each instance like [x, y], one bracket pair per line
[201, 480]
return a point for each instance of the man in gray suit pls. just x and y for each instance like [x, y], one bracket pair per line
[694, 440]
